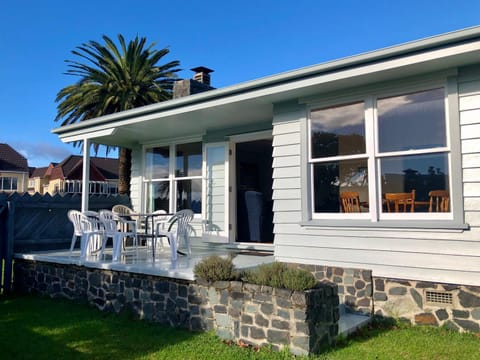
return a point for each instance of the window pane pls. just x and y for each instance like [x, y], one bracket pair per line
[7, 183]
[189, 195]
[412, 121]
[188, 161]
[338, 131]
[422, 173]
[331, 179]
[158, 196]
[156, 163]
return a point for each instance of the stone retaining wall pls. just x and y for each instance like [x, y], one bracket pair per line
[354, 285]
[455, 306]
[306, 321]
[406, 300]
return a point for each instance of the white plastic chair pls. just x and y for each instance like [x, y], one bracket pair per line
[111, 224]
[127, 213]
[88, 228]
[181, 220]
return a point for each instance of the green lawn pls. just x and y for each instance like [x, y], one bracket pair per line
[40, 328]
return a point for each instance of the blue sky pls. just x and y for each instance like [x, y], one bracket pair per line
[241, 41]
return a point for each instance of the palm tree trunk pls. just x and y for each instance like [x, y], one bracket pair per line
[124, 167]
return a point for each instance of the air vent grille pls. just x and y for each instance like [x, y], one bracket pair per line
[439, 297]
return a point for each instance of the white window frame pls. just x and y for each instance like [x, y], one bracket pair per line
[375, 215]
[13, 179]
[171, 179]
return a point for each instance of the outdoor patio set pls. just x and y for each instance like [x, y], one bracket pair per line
[129, 230]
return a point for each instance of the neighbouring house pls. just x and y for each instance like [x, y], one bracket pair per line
[13, 170]
[366, 169]
[66, 177]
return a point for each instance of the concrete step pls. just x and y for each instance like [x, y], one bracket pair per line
[349, 323]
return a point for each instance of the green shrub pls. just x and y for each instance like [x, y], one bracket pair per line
[298, 279]
[215, 268]
[279, 275]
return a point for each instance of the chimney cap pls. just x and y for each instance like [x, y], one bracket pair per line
[202, 69]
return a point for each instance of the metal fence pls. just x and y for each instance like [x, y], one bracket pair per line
[39, 222]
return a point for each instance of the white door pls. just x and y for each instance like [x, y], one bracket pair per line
[216, 190]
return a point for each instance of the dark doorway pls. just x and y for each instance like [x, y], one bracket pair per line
[254, 191]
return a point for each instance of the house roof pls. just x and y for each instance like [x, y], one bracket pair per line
[252, 102]
[39, 172]
[71, 167]
[12, 160]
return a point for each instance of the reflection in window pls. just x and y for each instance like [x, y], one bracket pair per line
[422, 173]
[330, 179]
[189, 160]
[406, 153]
[157, 163]
[189, 195]
[174, 183]
[412, 121]
[338, 131]
[158, 196]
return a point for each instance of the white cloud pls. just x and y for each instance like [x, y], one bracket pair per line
[41, 154]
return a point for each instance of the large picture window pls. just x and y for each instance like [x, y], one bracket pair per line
[382, 158]
[173, 177]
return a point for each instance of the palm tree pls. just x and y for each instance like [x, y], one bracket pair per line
[113, 80]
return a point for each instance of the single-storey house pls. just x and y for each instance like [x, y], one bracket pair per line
[366, 168]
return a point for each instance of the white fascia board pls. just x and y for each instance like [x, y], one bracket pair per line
[168, 109]
[87, 134]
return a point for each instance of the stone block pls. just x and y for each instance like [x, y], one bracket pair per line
[360, 284]
[236, 285]
[468, 325]
[397, 291]
[220, 309]
[284, 293]
[284, 314]
[247, 319]
[223, 320]
[278, 337]
[379, 285]
[380, 296]
[468, 300]
[261, 321]
[283, 302]
[221, 285]
[442, 314]
[298, 298]
[462, 314]
[300, 315]
[266, 309]
[426, 319]
[257, 333]
[476, 313]
[280, 324]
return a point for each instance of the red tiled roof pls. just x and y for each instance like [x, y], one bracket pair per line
[11, 160]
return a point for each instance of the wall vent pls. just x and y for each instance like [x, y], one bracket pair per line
[439, 297]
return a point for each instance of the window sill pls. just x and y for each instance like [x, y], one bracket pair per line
[407, 225]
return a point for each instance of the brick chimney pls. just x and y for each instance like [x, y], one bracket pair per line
[199, 83]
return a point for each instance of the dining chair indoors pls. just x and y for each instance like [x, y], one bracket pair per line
[350, 201]
[439, 201]
[400, 202]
